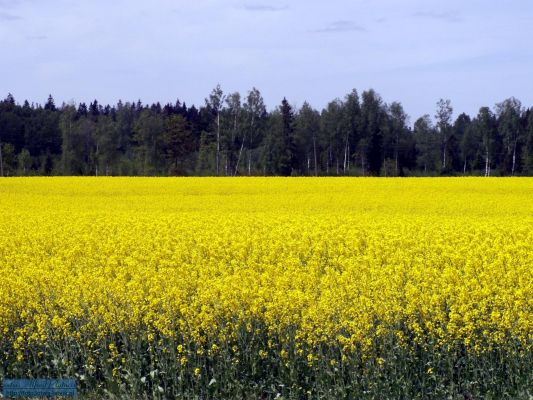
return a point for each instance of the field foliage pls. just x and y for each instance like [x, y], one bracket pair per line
[269, 287]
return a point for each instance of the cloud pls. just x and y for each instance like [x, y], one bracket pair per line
[7, 3]
[342, 26]
[469, 62]
[36, 37]
[9, 17]
[263, 8]
[448, 16]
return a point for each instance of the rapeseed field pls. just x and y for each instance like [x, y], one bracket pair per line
[269, 287]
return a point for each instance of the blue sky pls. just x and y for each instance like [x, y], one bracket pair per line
[475, 53]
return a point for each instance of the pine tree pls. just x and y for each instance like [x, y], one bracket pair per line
[50, 104]
[287, 163]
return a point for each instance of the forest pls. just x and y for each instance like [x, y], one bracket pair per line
[234, 135]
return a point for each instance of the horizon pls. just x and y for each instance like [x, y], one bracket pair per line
[416, 53]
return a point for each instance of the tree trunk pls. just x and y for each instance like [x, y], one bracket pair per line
[314, 153]
[344, 162]
[487, 162]
[464, 167]
[249, 162]
[327, 161]
[242, 146]
[396, 153]
[444, 157]
[346, 152]
[218, 144]
[1, 161]
[239, 158]
[514, 158]
[234, 127]
[348, 161]
[226, 166]
[96, 159]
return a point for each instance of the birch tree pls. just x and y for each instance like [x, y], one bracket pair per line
[306, 132]
[255, 113]
[426, 144]
[528, 147]
[215, 103]
[508, 113]
[444, 117]
[485, 125]
[398, 119]
[234, 116]
[352, 126]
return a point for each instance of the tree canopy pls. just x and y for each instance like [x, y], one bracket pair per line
[231, 134]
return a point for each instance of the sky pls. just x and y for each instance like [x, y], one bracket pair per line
[475, 53]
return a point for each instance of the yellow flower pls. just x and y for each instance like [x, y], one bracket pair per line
[300, 264]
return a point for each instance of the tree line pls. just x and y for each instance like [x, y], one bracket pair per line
[232, 135]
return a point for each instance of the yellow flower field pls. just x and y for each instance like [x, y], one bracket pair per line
[175, 286]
